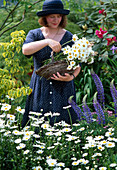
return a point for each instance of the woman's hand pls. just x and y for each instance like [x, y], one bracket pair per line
[66, 77]
[54, 45]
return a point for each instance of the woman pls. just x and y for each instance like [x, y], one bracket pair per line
[49, 95]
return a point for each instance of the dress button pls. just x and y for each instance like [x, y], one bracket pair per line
[50, 92]
[50, 82]
[50, 102]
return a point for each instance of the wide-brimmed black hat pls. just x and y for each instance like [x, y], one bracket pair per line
[53, 7]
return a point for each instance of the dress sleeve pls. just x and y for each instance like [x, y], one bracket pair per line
[29, 38]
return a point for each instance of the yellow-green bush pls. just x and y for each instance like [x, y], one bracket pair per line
[13, 70]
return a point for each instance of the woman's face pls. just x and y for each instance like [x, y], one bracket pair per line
[53, 20]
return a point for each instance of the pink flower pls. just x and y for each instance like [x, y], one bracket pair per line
[102, 12]
[111, 40]
[100, 33]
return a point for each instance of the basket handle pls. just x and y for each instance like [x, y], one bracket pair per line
[52, 56]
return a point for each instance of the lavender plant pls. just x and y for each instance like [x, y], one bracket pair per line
[86, 109]
[99, 110]
[76, 108]
[99, 87]
[114, 95]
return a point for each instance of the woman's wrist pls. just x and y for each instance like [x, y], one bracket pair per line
[73, 76]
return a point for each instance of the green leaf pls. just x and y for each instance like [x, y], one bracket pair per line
[110, 36]
[90, 31]
[4, 2]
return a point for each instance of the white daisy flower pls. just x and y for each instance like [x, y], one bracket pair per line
[45, 126]
[102, 168]
[75, 37]
[8, 97]
[18, 109]
[21, 146]
[113, 164]
[51, 162]
[107, 134]
[75, 163]
[18, 140]
[85, 162]
[110, 144]
[70, 57]
[84, 154]
[60, 164]
[56, 114]
[49, 133]
[72, 63]
[6, 108]
[26, 138]
[67, 107]
[37, 168]
[100, 147]
[39, 151]
[66, 130]
[48, 114]
[16, 132]
[26, 152]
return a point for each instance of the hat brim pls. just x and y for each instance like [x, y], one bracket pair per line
[46, 12]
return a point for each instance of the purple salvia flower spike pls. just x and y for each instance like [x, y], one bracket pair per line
[98, 109]
[100, 89]
[113, 49]
[87, 112]
[75, 107]
[114, 95]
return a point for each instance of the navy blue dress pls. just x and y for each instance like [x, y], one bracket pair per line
[49, 95]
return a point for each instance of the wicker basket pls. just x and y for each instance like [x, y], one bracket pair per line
[48, 70]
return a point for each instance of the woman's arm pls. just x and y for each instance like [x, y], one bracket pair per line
[32, 47]
[66, 77]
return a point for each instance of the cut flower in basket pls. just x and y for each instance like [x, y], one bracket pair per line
[69, 59]
[81, 51]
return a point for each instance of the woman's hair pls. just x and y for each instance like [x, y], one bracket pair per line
[42, 21]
